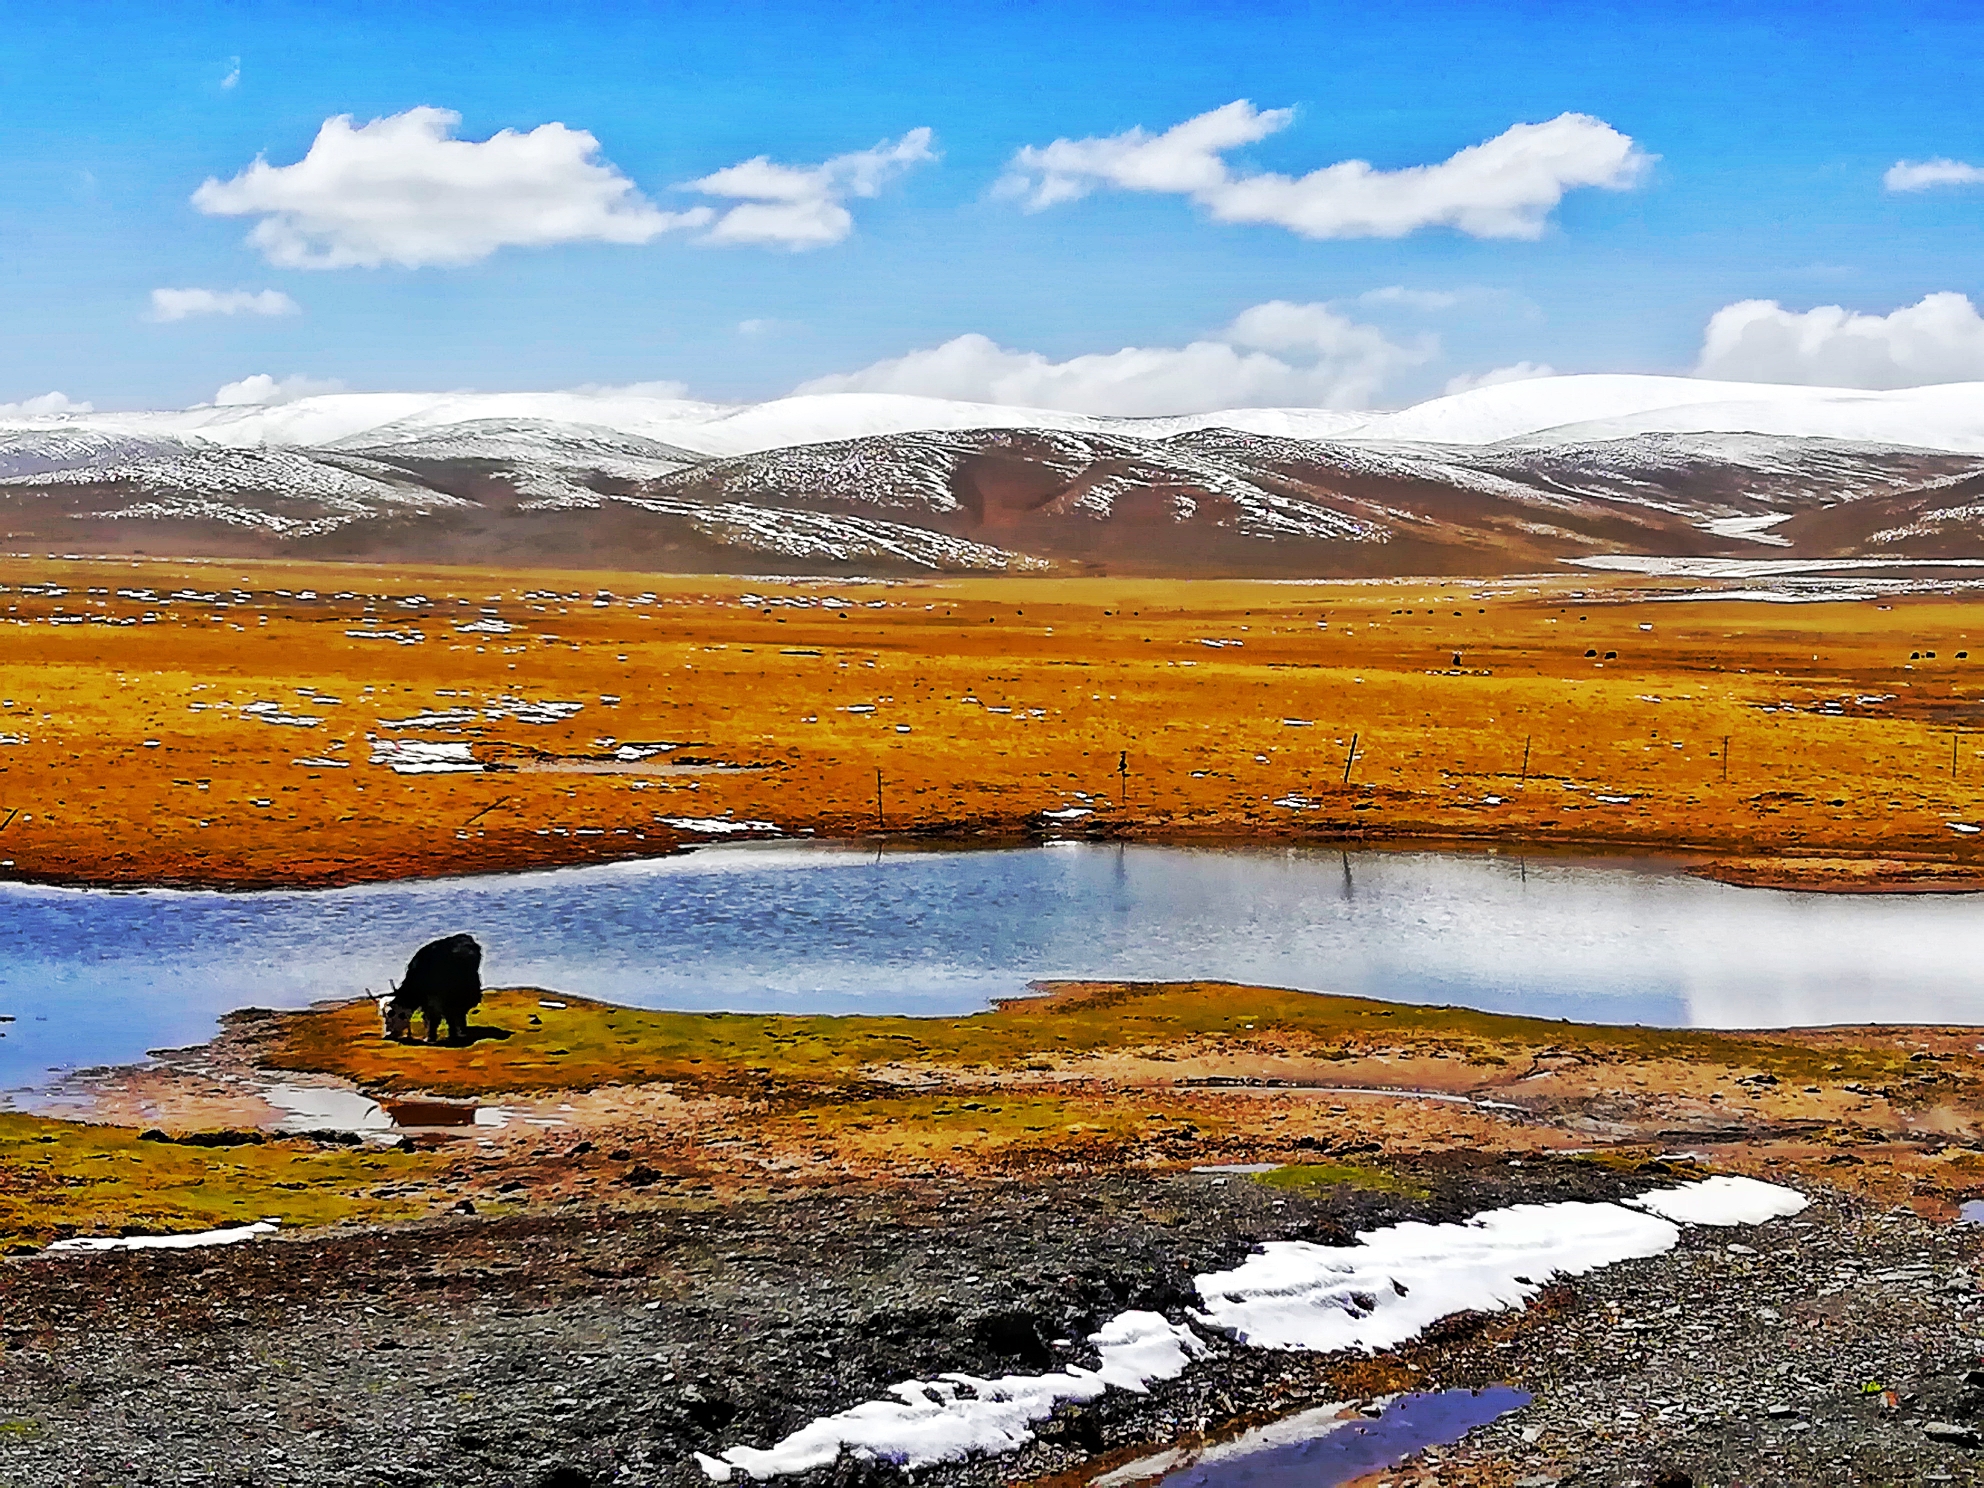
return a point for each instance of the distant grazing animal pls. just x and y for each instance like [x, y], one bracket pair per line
[442, 982]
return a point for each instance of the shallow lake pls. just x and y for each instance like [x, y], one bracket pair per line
[95, 977]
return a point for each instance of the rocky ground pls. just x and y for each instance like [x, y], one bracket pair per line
[596, 1344]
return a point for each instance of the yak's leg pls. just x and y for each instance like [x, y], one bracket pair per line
[433, 1021]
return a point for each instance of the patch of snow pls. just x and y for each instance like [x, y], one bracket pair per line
[231, 1236]
[1396, 1281]
[432, 718]
[1751, 529]
[955, 1415]
[417, 757]
[1722, 1201]
[273, 713]
[715, 825]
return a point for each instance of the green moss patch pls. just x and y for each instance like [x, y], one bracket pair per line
[1309, 1178]
[62, 1178]
[585, 1044]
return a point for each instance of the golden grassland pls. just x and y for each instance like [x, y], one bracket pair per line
[1552, 710]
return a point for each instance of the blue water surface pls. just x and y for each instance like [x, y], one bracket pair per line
[94, 976]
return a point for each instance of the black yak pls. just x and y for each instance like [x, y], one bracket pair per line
[442, 982]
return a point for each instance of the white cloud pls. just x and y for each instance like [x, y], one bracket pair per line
[400, 190]
[1921, 175]
[673, 391]
[801, 206]
[266, 390]
[1495, 377]
[43, 406]
[1276, 354]
[179, 304]
[1505, 187]
[233, 73]
[1940, 339]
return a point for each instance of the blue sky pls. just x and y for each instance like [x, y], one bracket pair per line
[1772, 126]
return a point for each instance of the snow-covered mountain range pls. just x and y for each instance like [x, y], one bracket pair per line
[1516, 474]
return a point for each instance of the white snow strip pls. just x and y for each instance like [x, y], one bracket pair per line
[1722, 1201]
[418, 757]
[942, 1420]
[273, 713]
[1377, 1293]
[1069, 813]
[232, 1236]
[404, 637]
[432, 718]
[1394, 1282]
[716, 825]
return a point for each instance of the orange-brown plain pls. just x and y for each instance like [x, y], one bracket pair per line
[1822, 743]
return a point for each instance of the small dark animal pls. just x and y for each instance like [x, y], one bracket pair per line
[442, 982]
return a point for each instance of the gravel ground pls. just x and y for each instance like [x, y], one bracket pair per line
[594, 1345]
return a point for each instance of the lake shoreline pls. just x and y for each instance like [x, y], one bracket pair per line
[1829, 870]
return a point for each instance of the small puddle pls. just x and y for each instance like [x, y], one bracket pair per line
[326, 1108]
[1325, 1447]
[1970, 1211]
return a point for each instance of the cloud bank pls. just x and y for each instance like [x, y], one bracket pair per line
[1923, 175]
[1940, 339]
[266, 391]
[1275, 354]
[400, 190]
[403, 190]
[44, 406]
[801, 206]
[181, 304]
[1495, 377]
[1504, 187]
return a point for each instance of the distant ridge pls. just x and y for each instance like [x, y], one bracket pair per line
[1515, 475]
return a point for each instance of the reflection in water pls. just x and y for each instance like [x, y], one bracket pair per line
[1353, 1448]
[96, 977]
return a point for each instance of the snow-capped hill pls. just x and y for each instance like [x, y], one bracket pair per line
[40, 449]
[1516, 476]
[339, 418]
[1550, 410]
[1593, 408]
[1949, 418]
[523, 441]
